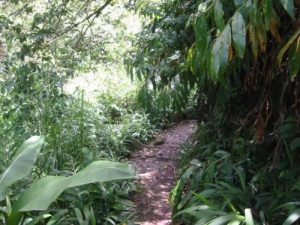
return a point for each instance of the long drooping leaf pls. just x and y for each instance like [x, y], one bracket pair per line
[239, 33]
[226, 219]
[288, 5]
[200, 211]
[253, 40]
[267, 10]
[219, 54]
[294, 60]
[41, 194]
[288, 45]
[293, 217]
[22, 164]
[201, 35]
[219, 14]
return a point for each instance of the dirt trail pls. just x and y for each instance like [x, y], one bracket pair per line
[156, 174]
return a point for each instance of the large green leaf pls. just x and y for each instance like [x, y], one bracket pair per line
[202, 40]
[219, 54]
[219, 14]
[41, 194]
[288, 5]
[239, 33]
[22, 164]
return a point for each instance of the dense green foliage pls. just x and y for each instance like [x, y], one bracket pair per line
[242, 57]
[46, 190]
[44, 45]
[237, 60]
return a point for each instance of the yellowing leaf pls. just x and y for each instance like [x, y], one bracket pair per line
[294, 60]
[252, 37]
[274, 31]
[287, 45]
[262, 37]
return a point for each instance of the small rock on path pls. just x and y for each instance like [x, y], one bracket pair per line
[156, 174]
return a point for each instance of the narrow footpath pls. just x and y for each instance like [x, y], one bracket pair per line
[156, 171]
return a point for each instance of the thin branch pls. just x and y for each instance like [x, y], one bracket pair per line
[84, 32]
[95, 14]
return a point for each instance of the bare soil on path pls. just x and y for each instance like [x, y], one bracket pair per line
[155, 167]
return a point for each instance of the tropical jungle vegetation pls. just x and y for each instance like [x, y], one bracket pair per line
[242, 58]
[231, 64]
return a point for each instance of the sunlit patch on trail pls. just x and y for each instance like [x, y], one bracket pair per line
[156, 175]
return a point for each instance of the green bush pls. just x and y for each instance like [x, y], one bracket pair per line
[223, 179]
[76, 133]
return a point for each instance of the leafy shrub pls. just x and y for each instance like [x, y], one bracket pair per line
[42, 193]
[219, 185]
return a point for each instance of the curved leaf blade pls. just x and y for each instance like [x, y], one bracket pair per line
[248, 217]
[219, 14]
[225, 219]
[293, 217]
[202, 40]
[287, 45]
[22, 164]
[219, 54]
[41, 194]
[239, 33]
[288, 5]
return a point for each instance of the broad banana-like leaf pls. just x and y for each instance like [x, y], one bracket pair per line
[41, 194]
[22, 164]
